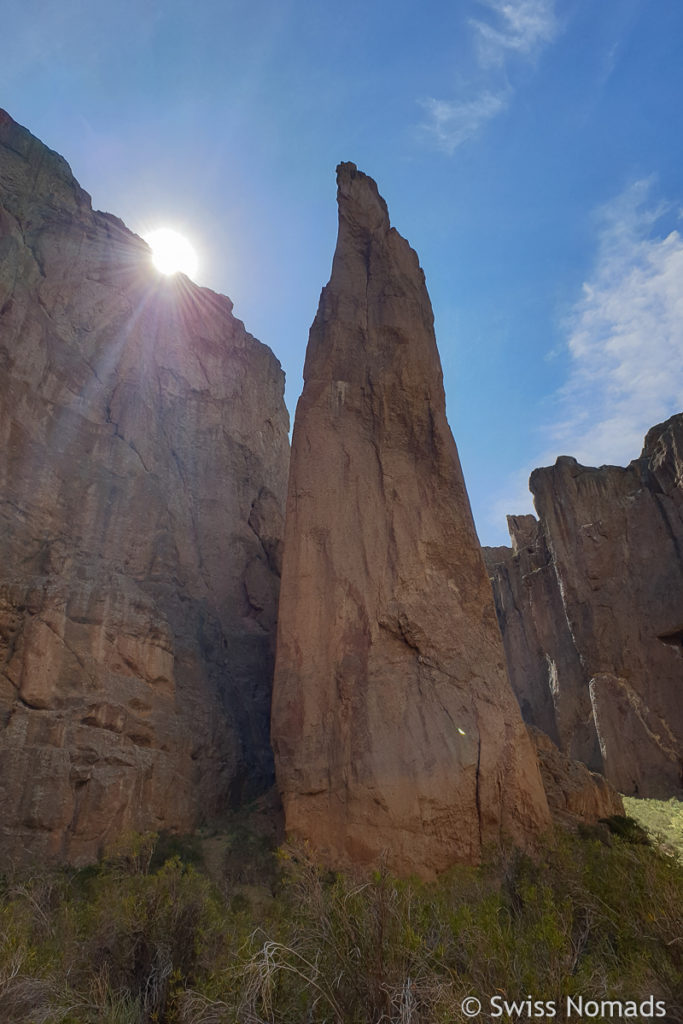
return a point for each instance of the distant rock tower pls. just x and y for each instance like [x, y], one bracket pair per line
[395, 730]
[590, 605]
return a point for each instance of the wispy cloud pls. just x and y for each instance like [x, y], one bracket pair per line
[520, 27]
[625, 335]
[452, 123]
[624, 339]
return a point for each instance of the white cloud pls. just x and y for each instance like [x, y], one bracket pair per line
[452, 123]
[625, 345]
[625, 337]
[522, 27]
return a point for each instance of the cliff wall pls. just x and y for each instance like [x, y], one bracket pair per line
[143, 463]
[590, 604]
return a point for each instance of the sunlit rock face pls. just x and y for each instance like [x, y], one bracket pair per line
[395, 730]
[143, 461]
[590, 603]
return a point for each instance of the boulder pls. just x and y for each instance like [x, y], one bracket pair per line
[575, 794]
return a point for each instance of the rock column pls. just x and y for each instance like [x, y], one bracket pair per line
[395, 730]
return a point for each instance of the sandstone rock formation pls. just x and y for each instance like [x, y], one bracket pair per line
[575, 794]
[539, 643]
[143, 464]
[590, 603]
[394, 726]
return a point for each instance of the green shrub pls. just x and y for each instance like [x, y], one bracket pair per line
[133, 942]
[168, 845]
[627, 828]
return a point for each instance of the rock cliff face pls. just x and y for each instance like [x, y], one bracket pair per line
[575, 794]
[590, 603]
[543, 661]
[394, 726]
[143, 462]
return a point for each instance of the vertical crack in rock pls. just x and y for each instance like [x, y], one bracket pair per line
[478, 795]
[394, 726]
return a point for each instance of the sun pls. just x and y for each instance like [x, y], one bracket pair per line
[171, 252]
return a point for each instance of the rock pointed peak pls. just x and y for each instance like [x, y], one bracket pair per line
[360, 203]
[393, 722]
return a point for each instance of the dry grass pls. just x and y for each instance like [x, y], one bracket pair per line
[143, 940]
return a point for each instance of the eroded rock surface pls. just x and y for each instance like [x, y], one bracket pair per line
[575, 794]
[544, 664]
[395, 729]
[143, 461]
[590, 604]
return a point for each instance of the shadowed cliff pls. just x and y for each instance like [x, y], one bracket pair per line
[143, 464]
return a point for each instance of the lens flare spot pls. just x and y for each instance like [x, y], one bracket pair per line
[171, 252]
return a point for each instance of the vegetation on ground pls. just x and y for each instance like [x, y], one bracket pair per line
[146, 936]
[662, 818]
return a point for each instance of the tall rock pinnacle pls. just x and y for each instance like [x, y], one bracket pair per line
[395, 730]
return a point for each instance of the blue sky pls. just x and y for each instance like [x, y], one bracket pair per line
[530, 150]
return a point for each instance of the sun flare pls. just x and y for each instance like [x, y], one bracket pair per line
[171, 252]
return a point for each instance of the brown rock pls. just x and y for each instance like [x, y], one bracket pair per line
[639, 748]
[394, 727]
[539, 643]
[600, 599]
[574, 793]
[143, 458]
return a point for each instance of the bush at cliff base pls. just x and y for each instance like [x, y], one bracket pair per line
[135, 940]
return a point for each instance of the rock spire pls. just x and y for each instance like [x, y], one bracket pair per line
[395, 730]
